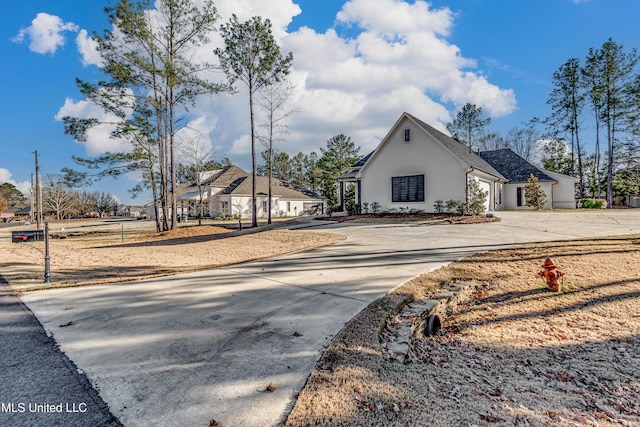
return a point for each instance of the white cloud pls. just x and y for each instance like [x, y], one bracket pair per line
[88, 48]
[241, 146]
[396, 17]
[398, 59]
[395, 58]
[23, 186]
[194, 142]
[98, 138]
[279, 12]
[46, 33]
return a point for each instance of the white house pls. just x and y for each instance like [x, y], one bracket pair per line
[228, 191]
[416, 165]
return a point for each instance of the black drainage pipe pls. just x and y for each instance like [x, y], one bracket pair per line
[433, 325]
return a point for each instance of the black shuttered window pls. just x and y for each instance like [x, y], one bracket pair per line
[407, 188]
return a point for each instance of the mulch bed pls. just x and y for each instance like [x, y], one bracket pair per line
[450, 218]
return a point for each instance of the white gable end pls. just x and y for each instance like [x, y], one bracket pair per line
[444, 174]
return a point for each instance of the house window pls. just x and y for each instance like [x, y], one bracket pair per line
[288, 206]
[519, 196]
[264, 206]
[407, 188]
[407, 135]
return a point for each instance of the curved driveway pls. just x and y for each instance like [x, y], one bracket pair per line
[186, 349]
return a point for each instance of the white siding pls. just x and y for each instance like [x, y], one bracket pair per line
[444, 173]
[564, 193]
[510, 195]
[241, 205]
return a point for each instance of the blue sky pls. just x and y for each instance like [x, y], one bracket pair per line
[358, 65]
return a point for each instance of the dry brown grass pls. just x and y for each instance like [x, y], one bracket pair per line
[100, 256]
[517, 356]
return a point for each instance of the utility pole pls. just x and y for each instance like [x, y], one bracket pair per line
[38, 194]
[32, 204]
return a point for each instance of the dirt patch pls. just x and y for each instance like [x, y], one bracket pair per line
[516, 354]
[101, 256]
[203, 230]
[405, 218]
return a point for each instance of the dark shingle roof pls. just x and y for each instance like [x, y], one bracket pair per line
[234, 180]
[353, 172]
[243, 186]
[363, 160]
[512, 166]
[226, 177]
[17, 210]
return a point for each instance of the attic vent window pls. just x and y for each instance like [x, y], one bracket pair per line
[407, 135]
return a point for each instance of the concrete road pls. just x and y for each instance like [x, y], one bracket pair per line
[186, 349]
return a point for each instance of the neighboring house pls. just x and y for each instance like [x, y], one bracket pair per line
[228, 191]
[131, 211]
[559, 188]
[416, 165]
[15, 213]
[7, 215]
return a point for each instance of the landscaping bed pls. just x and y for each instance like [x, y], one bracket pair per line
[425, 218]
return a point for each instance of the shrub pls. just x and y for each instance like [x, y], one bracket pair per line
[592, 203]
[333, 208]
[534, 195]
[375, 208]
[455, 206]
[476, 198]
[438, 206]
[352, 208]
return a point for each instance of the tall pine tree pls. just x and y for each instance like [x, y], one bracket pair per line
[252, 56]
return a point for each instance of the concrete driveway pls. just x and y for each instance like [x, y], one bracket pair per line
[186, 349]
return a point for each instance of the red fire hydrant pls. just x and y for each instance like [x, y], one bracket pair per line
[551, 274]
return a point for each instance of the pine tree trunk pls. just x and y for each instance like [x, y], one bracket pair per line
[254, 201]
